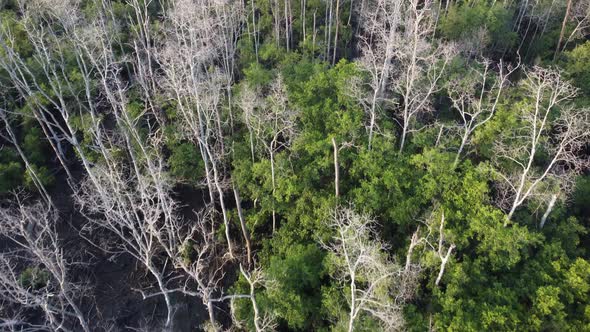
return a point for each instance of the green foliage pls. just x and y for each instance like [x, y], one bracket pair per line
[498, 278]
[464, 19]
[44, 175]
[186, 163]
[34, 278]
[577, 68]
[10, 176]
[33, 146]
[581, 196]
[257, 75]
[10, 22]
[297, 271]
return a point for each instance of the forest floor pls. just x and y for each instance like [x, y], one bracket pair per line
[113, 300]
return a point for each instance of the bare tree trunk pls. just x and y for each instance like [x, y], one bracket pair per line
[563, 25]
[286, 10]
[164, 291]
[329, 31]
[277, 20]
[413, 243]
[216, 181]
[403, 136]
[254, 29]
[255, 278]
[461, 147]
[272, 174]
[211, 312]
[313, 37]
[303, 22]
[548, 211]
[336, 32]
[373, 116]
[336, 169]
[243, 225]
[442, 126]
[444, 260]
[353, 309]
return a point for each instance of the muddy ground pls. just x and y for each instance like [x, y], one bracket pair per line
[112, 301]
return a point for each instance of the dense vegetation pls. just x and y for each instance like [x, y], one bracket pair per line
[300, 165]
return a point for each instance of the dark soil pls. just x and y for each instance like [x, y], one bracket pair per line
[113, 303]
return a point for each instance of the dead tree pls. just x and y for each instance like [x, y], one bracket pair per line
[521, 176]
[550, 206]
[440, 251]
[563, 26]
[379, 21]
[336, 151]
[249, 102]
[580, 15]
[129, 208]
[197, 38]
[194, 251]
[273, 124]
[336, 169]
[48, 103]
[431, 241]
[255, 279]
[376, 283]
[404, 66]
[475, 97]
[243, 226]
[34, 271]
[420, 65]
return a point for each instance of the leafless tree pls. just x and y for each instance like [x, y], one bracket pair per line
[245, 232]
[249, 102]
[123, 192]
[48, 103]
[579, 13]
[420, 66]
[548, 210]
[539, 130]
[255, 279]
[375, 282]
[336, 151]
[380, 21]
[563, 26]
[433, 241]
[34, 271]
[132, 209]
[401, 60]
[539, 17]
[272, 123]
[201, 34]
[194, 251]
[475, 97]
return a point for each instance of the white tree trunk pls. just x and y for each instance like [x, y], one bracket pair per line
[548, 211]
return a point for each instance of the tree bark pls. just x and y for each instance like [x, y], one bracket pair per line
[336, 169]
[548, 211]
[563, 25]
[243, 225]
[336, 32]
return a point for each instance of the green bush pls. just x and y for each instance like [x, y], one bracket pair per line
[186, 163]
[577, 66]
[34, 277]
[463, 20]
[44, 175]
[11, 176]
[34, 146]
